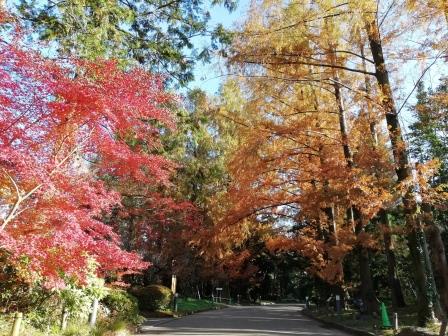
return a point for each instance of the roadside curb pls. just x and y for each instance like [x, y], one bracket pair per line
[175, 318]
[338, 326]
[199, 311]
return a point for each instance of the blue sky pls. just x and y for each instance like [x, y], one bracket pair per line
[208, 77]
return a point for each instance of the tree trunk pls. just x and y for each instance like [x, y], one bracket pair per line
[354, 216]
[394, 282]
[438, 258]
[338, 280]
[403, 171]
[367, 289]
[424, 287]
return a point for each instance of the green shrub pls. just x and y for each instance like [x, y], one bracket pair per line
[77, 330]
[119, 325]
[5, 324]
[16, 293]
[112, 328]
[153, 297]
[77, 299]
[45, 315]
[122, 305]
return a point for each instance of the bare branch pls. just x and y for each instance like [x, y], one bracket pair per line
[302, 21]
[420, 78]
[21, 198]
[16, 205]
[324, 65]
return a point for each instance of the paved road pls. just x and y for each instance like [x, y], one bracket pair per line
[243, 321]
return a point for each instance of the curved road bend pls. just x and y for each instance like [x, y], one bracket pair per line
[269, 320]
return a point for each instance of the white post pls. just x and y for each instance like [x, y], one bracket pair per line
[92, 317]
[395, 321]
[16, 326]
[64, 319]
[173, 283]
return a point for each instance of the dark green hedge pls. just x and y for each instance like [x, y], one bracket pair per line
[122, 305]
[152, 297]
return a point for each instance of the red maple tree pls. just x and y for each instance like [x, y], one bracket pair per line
[65, 128]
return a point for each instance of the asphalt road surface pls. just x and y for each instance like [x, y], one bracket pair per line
[242, 321]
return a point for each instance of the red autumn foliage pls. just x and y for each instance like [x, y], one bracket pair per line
[62, 128]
